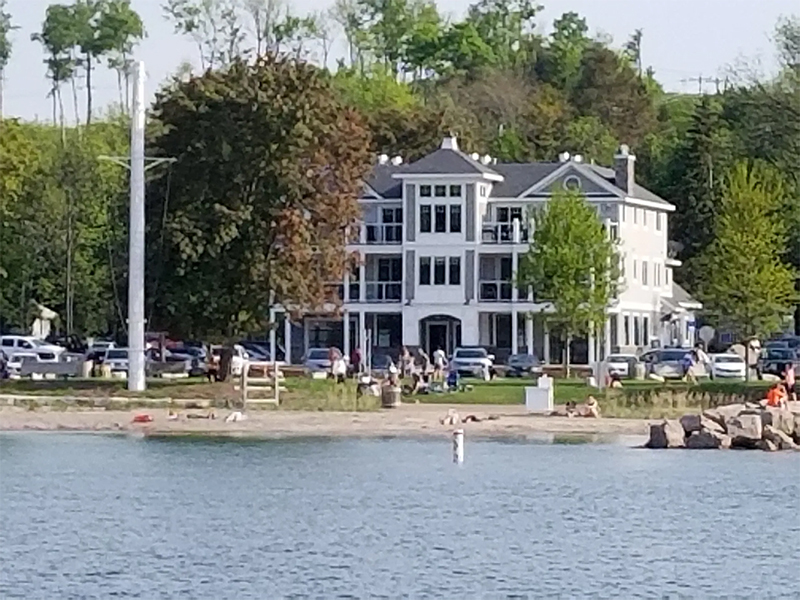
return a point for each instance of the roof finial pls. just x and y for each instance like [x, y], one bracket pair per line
[450, 142]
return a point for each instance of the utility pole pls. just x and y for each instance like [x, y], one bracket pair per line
[136, 164]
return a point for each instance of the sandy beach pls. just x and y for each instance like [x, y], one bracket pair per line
[405, 421]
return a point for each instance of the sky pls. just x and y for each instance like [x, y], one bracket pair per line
[683, 40]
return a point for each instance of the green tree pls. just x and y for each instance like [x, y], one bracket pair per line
[507, 28]
[560, 63]
[120, 28]
[572, 264]
[5, 46]
[215, 26]
[694, 183]
[58, 39]
[746, 287]
[269, 168]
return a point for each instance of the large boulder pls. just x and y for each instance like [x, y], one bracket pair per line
[694, 422]
[745, 430]
[667, 434]
[722, 413]
[778, 437]
[705, 439]
[767, 446]
[779, 419]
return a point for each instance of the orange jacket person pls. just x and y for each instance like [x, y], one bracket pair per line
[776, 395]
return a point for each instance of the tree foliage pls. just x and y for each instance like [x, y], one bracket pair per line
[269, 168]
[572, 264]
[746, 286]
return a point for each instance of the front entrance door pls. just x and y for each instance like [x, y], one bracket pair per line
[438, 338]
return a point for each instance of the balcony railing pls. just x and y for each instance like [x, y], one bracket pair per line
[380, 233]
[384, 291]
[495, 291]
[504, 233]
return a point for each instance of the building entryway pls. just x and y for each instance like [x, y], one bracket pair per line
[440, 331]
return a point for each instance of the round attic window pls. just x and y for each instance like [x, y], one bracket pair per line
[572, 183]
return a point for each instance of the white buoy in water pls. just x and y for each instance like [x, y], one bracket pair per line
[458, 446]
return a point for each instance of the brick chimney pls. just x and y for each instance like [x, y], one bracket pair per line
[625, 170]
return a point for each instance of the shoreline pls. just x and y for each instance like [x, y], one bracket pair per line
[407, 421]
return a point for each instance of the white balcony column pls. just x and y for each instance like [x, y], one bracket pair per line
[514, 331]
[546, 359]
[516, 231]
[362, 288]
[362, 233]
[362, 333]
[287, 338]
[346, 333]
[346, 292]
[514, 269]
[591, 342]
[529, 333]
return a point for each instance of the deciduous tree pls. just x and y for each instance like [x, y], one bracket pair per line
[269, 168]
[572, 264]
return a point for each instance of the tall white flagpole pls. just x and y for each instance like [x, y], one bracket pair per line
[136, 322]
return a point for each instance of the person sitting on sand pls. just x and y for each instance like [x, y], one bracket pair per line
[592, 409]
[571, 409]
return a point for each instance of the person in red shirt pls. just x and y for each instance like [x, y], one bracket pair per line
[776, 396]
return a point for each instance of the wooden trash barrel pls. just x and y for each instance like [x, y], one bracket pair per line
[391, 396]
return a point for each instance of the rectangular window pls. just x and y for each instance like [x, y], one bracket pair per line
[425, 191]
[424, 270]
[455, 270]
[516, 213]
[627, 330]
[438, 271]
[455, 191]
[502, 214]
[613, 231]
[612, 326]
[455, 218]
[644, 272]
[635, 271]
[637, 336]
[440, 225]
[646, 331]
[440, 191]
[425, 218]
[635, 216]
[659, 217]
[482, 191]
[644, 217]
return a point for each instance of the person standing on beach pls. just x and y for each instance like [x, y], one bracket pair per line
[439, 363]
[789, 382]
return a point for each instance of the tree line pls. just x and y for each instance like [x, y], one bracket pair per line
[409, 75]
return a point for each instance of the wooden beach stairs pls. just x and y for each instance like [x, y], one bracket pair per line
[261, 383]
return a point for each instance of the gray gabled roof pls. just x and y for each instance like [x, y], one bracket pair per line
[382, 182]
[519, 177]
[641, 193]
[447, 162]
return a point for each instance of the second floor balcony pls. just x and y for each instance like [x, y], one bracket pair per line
[377, 234]
[504, 233]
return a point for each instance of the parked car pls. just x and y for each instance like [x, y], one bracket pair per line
[21, 344]
[623, 365]
[255, 350]
[14, 363]
[238, 359]
[727, 366]
[317, 360]
[523, 365]
[382, 365]
[117, 360]
[773, 361]
[472, 361]
[665, 363]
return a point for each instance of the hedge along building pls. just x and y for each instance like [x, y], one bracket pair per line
[440, 243]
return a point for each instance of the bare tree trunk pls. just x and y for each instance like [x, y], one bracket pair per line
[75, 102]
[88, 89]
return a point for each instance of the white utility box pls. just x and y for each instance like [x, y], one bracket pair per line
[539, 399]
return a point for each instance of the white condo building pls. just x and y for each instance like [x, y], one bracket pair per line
[441, 240]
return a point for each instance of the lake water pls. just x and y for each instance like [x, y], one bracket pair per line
[89, 516]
